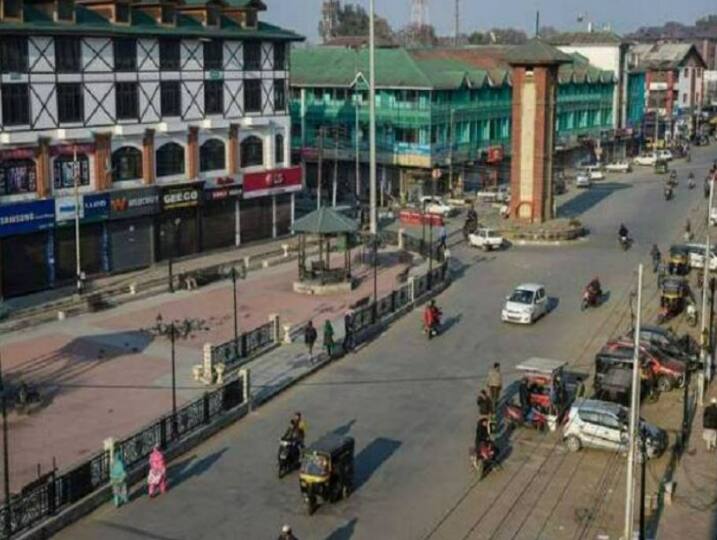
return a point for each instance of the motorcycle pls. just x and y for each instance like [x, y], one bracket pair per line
[514, 417]
[470, 226]
[435, 325]
[691, 183]
[668, 193]
[591, 298]
[289, 456]
[484, 458]
[625, 242]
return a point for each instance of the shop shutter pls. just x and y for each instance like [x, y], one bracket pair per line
[256, 219]
[283, 214]
[131, 244]
[218, 224]
[24, 264]
[90, 251]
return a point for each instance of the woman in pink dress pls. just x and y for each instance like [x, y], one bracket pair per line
[157, 477]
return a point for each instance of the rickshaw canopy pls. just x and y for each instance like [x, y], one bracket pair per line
[542, 366]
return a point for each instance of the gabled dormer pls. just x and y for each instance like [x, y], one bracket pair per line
[164, 13]
[115, 11]
[11, 10]
[244, 12]
[60, 11]
[207, 12]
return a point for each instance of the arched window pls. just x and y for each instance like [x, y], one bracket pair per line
[212, 156]
[64, 171]
[126, 164]
[170, 159]
[278, 148]
[252, 152]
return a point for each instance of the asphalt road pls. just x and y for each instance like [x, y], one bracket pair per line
[410, 405]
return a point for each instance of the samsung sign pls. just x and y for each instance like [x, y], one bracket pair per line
[27, 217]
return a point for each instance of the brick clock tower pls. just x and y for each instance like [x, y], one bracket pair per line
[534, 72]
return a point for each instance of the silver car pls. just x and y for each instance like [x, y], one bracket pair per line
[604, 425]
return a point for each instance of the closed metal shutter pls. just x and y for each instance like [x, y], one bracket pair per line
[283, 214]
[24, 264]
[187, 240]
[256, 219]
[90, 251]
[130, 244]
[218, 224]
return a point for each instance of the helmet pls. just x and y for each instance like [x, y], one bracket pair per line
[286, 529]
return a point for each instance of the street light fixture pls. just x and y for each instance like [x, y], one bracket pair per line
[78, 210]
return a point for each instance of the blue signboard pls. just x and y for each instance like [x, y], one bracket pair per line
[94, 207]
[26, 217]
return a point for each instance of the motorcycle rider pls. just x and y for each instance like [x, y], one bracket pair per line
[594, 287]
[623, 234]
[656, 258]
[296, 431]
[668, 191]
[688, 230]
[431, 318]
[483, 436]
[286, 534]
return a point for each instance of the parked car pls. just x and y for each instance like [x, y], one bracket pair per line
[595, 172]
[526, 304]
[486, 239]
[436, 205]
[668, 373]
[622, 166]
[604, 425]
[697, 255]
[499, 194]
[665, 155]
[582, 180]
[648, 160]
[666, 341]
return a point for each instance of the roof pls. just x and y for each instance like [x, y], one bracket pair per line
[89, 23]
[325, 220]
[536, 51]
[529, 287]
[599, 405]
[586, 38]
[665, 56]
[330, 443]
[541, 365]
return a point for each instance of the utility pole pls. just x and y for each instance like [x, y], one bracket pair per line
[372, 116]
[7, 522]
[319, 175]
[457, 27]
[358, 150]
[705, 353]
[78, 209]
[634, 416]
[451, 140]
[336, 167]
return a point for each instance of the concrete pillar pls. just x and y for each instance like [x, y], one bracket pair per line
[193, 153]
[401, 238]
[42, 166]
[233, 162]
[208, 363]
[148, 157]
[276, 327]
[103, 161]
[245, 375]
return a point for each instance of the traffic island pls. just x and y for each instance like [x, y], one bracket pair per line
[553, 232]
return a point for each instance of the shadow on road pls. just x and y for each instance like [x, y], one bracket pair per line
[345, 428]
[344, 532]
[372, 457]
[588, 199]
[135, 532]
[181, 472]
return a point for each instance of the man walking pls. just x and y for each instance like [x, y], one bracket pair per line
[485, 407]
[656, 258]
[348, 332]
[709, 425]
[310, 336]
[495, 384]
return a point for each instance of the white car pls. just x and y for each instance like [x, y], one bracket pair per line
[582, 180]
[486, 239]
[526, 304]
[595, 172]
[665, 155]
[697, 256]
[435, 205]
[618, 167]
[646, 160]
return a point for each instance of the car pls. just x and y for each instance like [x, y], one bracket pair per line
[648, 160]
[582, 180]
[526, 304]
[604, 425]
[500, 194]
[668, 373]
[697, 255]
[666, 341]
[619, 167]
[486, 239]
[435, 205]
[665, 155]
[595, 172]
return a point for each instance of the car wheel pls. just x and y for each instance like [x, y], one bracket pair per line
[664, 384]
[573, 443]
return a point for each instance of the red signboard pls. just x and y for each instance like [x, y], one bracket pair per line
[69, 149]
[414, 217]
[17, 153]
[273, 182]
[495, 154]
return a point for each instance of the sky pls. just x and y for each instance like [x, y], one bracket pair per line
[622, 15]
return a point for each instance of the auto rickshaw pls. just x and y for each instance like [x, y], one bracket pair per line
[672, 297]
[661, 166]
[679, 261]
[547, 388]
[327, 470]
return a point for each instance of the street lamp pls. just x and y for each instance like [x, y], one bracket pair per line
[5, 456]
[173, 252]
[78, 209]
[233, 275]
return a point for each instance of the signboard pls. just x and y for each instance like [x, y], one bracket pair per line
[414, 217]
[69, 149]
[95, 207]
[223, 193]
[17, 153]
[495, 154]
[134, 203]
[26, 217]
[272, 182]
[185, 196]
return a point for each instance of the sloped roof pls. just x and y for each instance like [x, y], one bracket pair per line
[586, 38]
[663, 56]
[325, 220]
[536, 51]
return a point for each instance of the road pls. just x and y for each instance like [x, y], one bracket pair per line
[410, 405]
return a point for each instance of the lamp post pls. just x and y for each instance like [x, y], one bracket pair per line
[78, 210]
[372, 116]
[173, 252]
[233, 275]
[5, 457]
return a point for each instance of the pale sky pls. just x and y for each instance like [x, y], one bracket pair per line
[623, 15]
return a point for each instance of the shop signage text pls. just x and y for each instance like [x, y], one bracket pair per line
[17, 153]
[272, 182]
[134, 202]
[92, 207]
[223, 193]
[180, 197]
[69, 149]
[27, 217]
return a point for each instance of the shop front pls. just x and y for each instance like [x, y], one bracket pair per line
[178, 232]
[26, 256]
[131, 228]
[268, 202]
[94, 243]
[220, 215]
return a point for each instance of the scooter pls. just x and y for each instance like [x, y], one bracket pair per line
[625, 242]
[289, 456]
[483, 458]
[668, 193]
[591, 298]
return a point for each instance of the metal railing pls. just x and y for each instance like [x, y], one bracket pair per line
[234, 353]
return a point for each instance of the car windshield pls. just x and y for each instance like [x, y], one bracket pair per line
[521, 296]
[315, 465]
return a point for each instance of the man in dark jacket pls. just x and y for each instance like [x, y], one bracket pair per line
[485, 406]
[310, 336]
[709, 425]
[286, 534]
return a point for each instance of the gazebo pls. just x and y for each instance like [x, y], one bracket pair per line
[318, 277]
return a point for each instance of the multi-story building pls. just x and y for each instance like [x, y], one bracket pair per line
[170, 119]
[447, 109]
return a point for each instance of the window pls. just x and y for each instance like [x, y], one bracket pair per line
[68, 54]
[280, 95]
[65, 10]
[13, 54]
[252, 95]
[169, 15]
[279, 56]
[12, 9]
[687, 72]
[213, 97]
[278, 148]
[15, 104]
[126, 164]
[212, 156]
[252, 152]
[169, 54]
[17, 176]
[70, 102]
[64, 170]
[252, 55]
[125, 50]
[171, 98]
[250, 19]
[127, 100]
[214, 54]
[170, 160]
[122, 13]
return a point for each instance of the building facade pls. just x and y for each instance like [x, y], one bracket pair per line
[166, 124]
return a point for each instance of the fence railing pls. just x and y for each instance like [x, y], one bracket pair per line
[233, 353]
[55, 491]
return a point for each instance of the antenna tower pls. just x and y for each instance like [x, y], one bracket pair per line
[419, 13]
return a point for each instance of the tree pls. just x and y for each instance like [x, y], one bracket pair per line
[479, 38]
[353, 20]
[548, 32]
[498, 36]
[418, 36]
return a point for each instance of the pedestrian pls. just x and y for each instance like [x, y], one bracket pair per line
[688, 230]
[286, 534]
[485, 406]
[524, 397]
[580, 388]
[118, 480]
[709, 425]
[656, 258]
[329, 338]
[442, 237]
[310, 335]
[348, 332]
[495, 383]
[157, 477]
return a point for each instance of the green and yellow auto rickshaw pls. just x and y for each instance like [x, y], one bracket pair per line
[673, 296]
[327, 470]
[679, 261]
